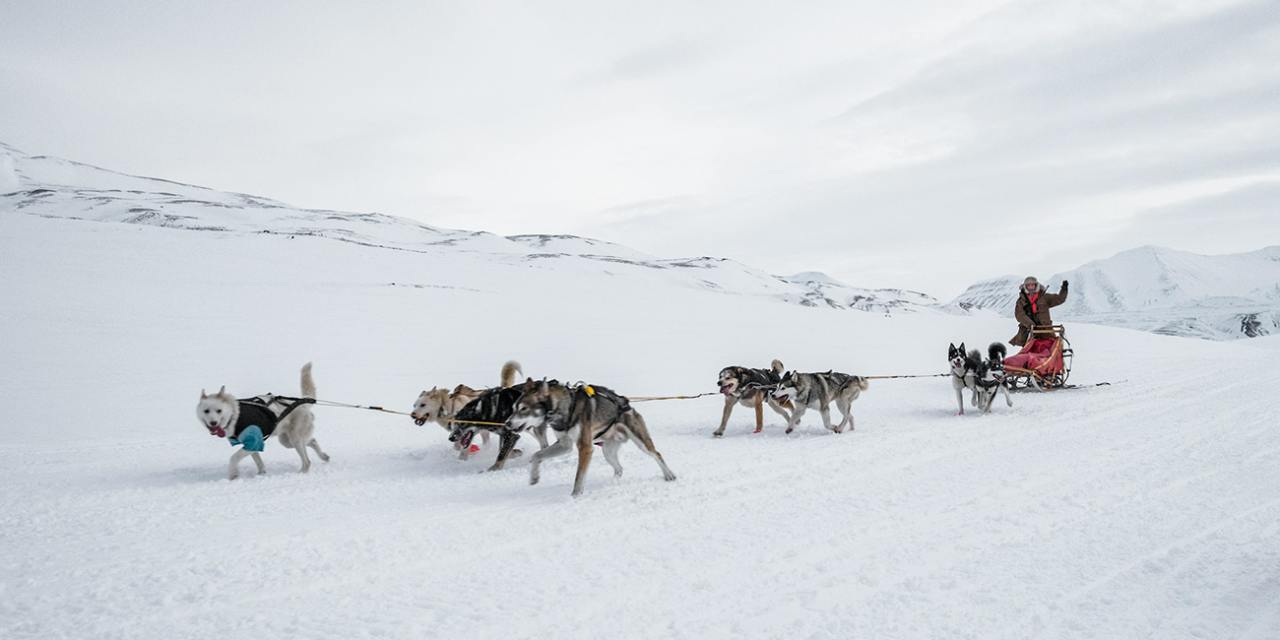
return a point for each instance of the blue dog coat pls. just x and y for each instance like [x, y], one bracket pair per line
[251, 438]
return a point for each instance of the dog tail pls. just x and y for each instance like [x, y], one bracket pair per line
[509, 371]
[862, 382]
[777, 367]
[996, 352]
[308, 384]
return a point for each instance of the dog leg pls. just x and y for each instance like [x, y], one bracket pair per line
[960, 400]
[846, 417]
[610, 449]
[773, 404]
[795, 417]
[257, 460]
[1007, 398]
[541, 434]
[561, 447]
[233, 471]
[760, 414]
[729, 401]
[484, 438]
[316, 446]
[639, 433]
[825, 412]
[301, 448]
[585, 449]
[508, 441]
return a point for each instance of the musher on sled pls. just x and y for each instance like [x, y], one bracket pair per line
[1045, 358]
[1032, 308]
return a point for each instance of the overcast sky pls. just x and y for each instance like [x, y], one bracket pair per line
[917, 144]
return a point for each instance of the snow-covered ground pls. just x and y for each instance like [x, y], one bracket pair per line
[1146, 509]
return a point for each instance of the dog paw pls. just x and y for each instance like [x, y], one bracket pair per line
[668, 476]
[718, 434]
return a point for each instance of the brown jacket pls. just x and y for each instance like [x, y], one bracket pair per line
[1039, 317]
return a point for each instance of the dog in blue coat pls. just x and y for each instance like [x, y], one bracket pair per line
[249, 423]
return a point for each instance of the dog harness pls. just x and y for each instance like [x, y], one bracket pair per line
[753, 379]
[257, 421]
[620, 405]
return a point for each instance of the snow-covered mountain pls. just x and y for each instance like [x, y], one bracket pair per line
[1160, 290]
[56, 188]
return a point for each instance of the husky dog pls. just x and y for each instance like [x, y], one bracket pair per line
[989, 378]
[584, 415]
[964, 372]
[438, 405]
[251, 422]
[818, 391]
[984, 378]
[750, 388]
[492, 406]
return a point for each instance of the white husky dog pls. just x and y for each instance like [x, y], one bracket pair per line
[251, 422]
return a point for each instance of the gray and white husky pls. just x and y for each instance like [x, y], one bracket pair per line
[249, 423]
[582, 416]
[817, 391]
[984, 378]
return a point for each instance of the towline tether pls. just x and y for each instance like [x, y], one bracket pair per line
[330, 403]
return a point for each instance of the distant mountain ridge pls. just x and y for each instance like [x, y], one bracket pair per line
[1161, 290]
[56, 188]
[1147, 288]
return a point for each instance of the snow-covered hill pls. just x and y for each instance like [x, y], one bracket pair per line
[52, 187]
[1146, 509]
[1160, 290]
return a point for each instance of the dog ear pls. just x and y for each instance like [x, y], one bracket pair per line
[962, 347]
[222, 391]
[203, 395]
[544, 385]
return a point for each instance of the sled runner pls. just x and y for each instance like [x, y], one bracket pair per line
[1044, 363]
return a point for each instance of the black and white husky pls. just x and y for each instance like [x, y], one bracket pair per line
[817, 391]
[984, 378]
[250, 423]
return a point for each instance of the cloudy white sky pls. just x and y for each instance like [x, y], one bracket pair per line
[921, 144]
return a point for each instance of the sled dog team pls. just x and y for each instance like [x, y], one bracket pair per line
[579, 415]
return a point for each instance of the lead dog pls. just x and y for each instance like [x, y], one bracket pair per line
[750, 388]
[818, 391]
[584, 415]
[251, 422]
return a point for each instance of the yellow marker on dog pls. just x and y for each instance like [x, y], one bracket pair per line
[590, 391]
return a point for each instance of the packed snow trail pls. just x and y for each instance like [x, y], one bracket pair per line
[1146, 509]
